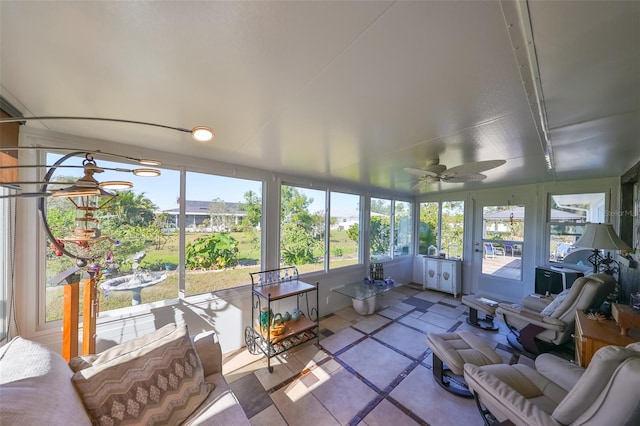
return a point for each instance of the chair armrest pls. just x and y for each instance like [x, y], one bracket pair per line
[560, 371]
[536, 303]
[531, 317]
[509, 307]
[209, 351]
[554, 323]
[493, 392]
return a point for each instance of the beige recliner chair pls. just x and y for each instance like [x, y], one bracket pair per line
[553, 322]
[558, 392]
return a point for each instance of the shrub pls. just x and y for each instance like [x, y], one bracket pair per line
[216, 251]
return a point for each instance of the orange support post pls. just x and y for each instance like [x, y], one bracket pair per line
[70, 314]
[89, 315]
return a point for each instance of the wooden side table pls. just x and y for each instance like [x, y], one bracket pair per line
[625, 317]
[592, 335]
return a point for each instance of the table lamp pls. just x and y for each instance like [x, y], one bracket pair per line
[601, 236]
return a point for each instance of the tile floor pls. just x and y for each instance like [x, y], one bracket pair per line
[371, 370]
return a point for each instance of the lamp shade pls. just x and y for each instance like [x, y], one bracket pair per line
[601, 236]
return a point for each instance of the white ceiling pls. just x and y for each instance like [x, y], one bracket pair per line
[343, 91]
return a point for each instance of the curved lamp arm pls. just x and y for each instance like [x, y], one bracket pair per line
[199, 133]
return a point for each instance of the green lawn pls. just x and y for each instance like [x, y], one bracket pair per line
[198, 282]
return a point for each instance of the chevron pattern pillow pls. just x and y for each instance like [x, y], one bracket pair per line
[154, 379]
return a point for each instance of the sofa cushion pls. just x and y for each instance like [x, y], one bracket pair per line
[154, 379]
[557, 301]
[36, 388]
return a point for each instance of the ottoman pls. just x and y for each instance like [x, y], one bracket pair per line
[451, 351]
[486, 306]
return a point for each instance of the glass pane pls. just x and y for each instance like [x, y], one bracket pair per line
[502, 241]
[344, 230]
[222, 231]
[380, 229]
[428, 231]
[402, 228]
[134, 243]
[567, 216]
[452, 229]
[302, 228]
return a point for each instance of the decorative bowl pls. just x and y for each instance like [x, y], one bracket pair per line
[278, 329]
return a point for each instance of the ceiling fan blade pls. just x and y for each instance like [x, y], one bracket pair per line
[436, 168]
[473, 168]
[475, 177]
[420, 172]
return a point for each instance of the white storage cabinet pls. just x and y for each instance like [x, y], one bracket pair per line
[443, 275]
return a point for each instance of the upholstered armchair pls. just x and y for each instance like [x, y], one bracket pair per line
[559, 392]
[553, 320]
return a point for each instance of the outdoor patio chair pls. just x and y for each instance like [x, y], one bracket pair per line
[491, 252]
[512, 250]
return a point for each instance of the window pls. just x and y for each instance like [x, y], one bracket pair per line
[344, 230]
[502, 241]
[441, 228]
[566, 218]
[384, 216]
[380, 229]
[402, 228]
[142, 245]
[302, 228]
[222, 236]
[452, 228]
[222, 231]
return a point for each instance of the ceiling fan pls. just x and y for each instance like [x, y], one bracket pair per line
[469, 172]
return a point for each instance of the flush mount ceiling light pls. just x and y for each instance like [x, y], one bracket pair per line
[198, 133]
[202, 134]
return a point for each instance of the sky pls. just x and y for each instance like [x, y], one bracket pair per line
[164, 190]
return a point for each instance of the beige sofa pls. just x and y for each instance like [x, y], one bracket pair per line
[166, 383]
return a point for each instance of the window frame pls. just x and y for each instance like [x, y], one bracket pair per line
[390, 255]
[438, 229]
[549, 223]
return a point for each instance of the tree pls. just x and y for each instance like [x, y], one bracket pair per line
[129, 208]
[380, 206]
[428, 232]
[218, 214]
[379, 235]
[354, 233]
[253, 207]
[297, 227]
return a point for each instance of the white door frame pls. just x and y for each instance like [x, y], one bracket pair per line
[497, 287]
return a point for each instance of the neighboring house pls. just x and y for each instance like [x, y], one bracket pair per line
[344, 220]
[207, 216]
